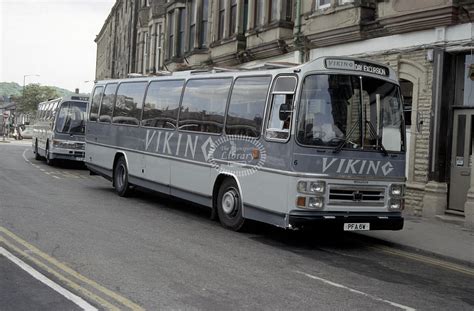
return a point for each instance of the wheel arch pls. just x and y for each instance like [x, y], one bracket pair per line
[215, 191]
[118, 155]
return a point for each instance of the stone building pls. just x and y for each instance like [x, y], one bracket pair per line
[428, 42]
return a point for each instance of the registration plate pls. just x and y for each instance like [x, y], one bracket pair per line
[357, 226]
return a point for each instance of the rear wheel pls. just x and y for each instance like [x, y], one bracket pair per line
[37, 156]
[121, 185]
[229, 205]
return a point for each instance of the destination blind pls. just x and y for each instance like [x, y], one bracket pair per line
[344, 64]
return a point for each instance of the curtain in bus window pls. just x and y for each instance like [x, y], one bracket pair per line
[94, 112]
[247, 105]
[162, 104]
[71, 118]
[128, 103]
[203, 106]
[105, 113]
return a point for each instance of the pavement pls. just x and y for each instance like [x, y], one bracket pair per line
[432, 237]
[23, 142]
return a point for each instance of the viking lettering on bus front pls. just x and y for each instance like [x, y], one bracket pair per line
[357, 167]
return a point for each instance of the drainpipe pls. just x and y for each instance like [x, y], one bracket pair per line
[297, 33]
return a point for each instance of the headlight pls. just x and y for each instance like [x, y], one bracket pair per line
[302, 185]
[396, 204]
[317, 187]
[396, 190]
[316, 202]
[313, 187]
[310, 202]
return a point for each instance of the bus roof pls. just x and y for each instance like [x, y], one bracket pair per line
[73, 97]
[342, 65]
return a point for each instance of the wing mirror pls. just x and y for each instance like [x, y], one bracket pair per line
[285, 111]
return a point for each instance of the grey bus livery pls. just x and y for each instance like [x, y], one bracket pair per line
[58, 132]
[321, 143]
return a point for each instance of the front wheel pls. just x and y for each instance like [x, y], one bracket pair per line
[229, 205]
[49, 160]
[121, 184]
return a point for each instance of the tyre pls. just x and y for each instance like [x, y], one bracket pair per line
[49, 161]
[37, 156]
[229, 205]
[121, 185]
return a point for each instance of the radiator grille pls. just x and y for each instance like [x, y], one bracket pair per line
[347, 195]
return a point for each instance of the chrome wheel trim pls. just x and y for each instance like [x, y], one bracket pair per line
[230, 202]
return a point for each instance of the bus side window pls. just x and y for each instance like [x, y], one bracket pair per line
[95, 103]
[203, 106]
[108, 100]
[281, 109]
[128, 103]
[247, 106]
[162, 104]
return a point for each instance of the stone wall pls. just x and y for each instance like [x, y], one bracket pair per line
[413, 65]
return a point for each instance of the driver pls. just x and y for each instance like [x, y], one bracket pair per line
[324, 127]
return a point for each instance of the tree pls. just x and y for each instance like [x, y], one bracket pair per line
[32, 95]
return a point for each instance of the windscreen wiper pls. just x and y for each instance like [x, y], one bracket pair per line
[346, 139]
[377, 138]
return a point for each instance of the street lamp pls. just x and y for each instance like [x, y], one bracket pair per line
[23, 90]
[24, 79]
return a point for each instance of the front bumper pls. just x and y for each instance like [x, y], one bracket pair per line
[64, 154]
[378, 221]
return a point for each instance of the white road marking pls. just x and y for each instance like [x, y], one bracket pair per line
[400, 306]
[24, 156]
[70, 296]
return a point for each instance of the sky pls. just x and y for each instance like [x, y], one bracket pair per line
[51, 38]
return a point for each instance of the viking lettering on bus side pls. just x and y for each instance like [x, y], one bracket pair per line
[154, 139]
[357, 167]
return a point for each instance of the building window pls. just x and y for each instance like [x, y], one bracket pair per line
[273, 10]
[259, 12]
[233, 17]
[246, 16]
[221, 16]
[342, 2]
[323, 4]
[289, 10]
[192, 24]
[158, 48]
[204, 23]
[406, 88]
[170, 34]
[145, 51]
[181, 23]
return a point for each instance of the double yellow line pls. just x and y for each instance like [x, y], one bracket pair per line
[86, 288]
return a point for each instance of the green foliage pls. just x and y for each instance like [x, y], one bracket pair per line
[33, 95]
[10, 89]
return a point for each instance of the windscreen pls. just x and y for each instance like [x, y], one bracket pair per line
[345, 111]
[71, 118]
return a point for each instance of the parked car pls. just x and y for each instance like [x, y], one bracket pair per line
[27, 132]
